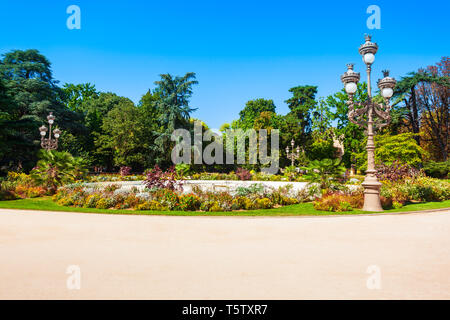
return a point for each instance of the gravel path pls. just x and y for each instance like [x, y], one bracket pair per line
[159, 257]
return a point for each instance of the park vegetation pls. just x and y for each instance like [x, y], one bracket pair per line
[107, 137]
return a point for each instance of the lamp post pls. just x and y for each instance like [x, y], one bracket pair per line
[369, 115]
[291, 155]
[49, 143]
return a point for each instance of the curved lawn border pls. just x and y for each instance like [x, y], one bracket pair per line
[302, 209]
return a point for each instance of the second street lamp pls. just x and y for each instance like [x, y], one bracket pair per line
[369, 115]
[49, 143]
[292, 155]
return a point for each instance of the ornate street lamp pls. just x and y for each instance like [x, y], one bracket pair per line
[49, 143]
[371, 116]
[291, 155]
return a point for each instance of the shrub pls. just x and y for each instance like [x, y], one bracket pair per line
[189, 202]
[125, 171]
[397, 205]
[7, 190]
[112, 187]
[256, 188]
[183, 169]
[151, 205]
[238, 203]
[158, 179]
[324, 172]
[389, 148]
[395, 171]
[56, 168]
[437, 169]
[20, 185]
[421, 189]
[337, 202]
[91, 201]
[263, 203]
[103, 203]
[243, 174]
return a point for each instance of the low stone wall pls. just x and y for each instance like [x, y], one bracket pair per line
[209, 185]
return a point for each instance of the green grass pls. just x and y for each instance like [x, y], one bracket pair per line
[47, 204]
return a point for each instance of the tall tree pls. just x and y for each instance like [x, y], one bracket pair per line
[173, 110]
[424, 97]
[126, 135]
[31, 94]
[252, 111]
[353, 134]
[433, 99]
[301, 104]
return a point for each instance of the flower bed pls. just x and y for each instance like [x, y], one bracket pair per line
[19, 186]
[254, 197]
[393, 194]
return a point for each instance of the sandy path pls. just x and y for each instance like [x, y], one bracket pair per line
[158, 257]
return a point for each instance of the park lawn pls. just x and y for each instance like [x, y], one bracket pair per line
[46, 203]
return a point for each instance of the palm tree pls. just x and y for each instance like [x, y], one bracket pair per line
[56, 168]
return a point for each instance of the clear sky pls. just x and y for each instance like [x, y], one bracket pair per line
[240, 50]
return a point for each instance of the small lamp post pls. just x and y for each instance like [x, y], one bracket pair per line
[49, 143]
[291, 155]
[371, 116]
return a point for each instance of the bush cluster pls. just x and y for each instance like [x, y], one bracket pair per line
[418, 189]
[437, 169]
[167, 199]
[20, 185]
[338, 201]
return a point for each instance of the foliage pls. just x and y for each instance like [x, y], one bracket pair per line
[424, 98]
[324, 172]
[254, 197]
[338, 202]
[159, 179]
[256, 188]
[437, 169]
[422, 189]
[321, 148]
[353, 134]
[113, 177]
[28, 93]
[243, 174]
[395, 171]
[183, 169]
[252, 112]
[173, 110]
[56, 168]
[190, 202]
[125, 171]
[402, 147]
[19, 185]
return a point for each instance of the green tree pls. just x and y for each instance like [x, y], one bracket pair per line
[301, 104]
[29, 94]
[173, 111]
[353, 134]
[128, 135]
[56, 168]
[401, 147]
[96, 143]
[75, 94]
[252, 111]
[324, 172]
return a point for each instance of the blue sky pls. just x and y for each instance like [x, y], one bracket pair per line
[240, 50]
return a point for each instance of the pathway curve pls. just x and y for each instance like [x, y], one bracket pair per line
[160, 257]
